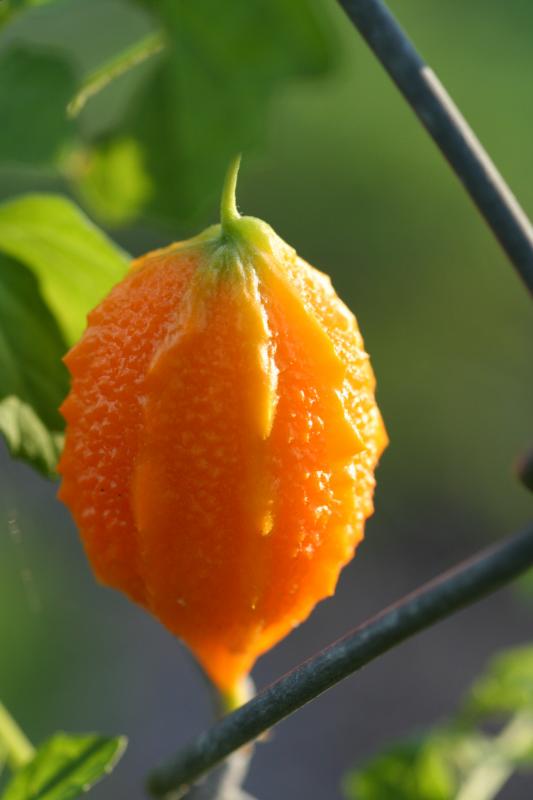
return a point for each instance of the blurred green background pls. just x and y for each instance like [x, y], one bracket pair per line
[342, 170]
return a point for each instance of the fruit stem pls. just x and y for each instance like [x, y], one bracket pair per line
[228, 203]
[236, 697]
[18, 748]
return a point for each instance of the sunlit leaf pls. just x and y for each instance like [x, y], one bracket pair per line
[27, 438]
[65, 766]
[55, 265]
[114, 182]
[505, 687]
[461, 761]
[74, 262]
[415, 770]
[33, 380]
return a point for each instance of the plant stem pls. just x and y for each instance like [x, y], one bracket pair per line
[117, 66]
[448, 128]
[226, 780]
[488, 778]
[447, 594]
[18, 748]
[237, 697]
[228, 202]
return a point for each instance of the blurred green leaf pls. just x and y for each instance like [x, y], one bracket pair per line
[74, 262]
[33, 380]
[498, 757]
[27, 438]
[445, 764]
[65, 766]
[460, 761]
[35, 88]
[59, 265]
[415, 770]
[31, 344]
[506, 687]
[19, 5]
[208, 97]
[115, 184]
[10, 8]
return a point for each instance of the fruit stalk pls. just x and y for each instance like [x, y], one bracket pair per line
[228, 203]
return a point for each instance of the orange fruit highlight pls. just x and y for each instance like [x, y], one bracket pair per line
[222, 435]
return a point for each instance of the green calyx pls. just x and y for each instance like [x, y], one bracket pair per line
[239, 240]
[236, 242]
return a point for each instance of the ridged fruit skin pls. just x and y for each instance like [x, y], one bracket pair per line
[222, 435]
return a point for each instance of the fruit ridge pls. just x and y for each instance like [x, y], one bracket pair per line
[222, 436]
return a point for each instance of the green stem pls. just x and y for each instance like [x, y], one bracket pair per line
[117, 66]
[18, 747]
[228, 202]
[237, 697]
[490, 776]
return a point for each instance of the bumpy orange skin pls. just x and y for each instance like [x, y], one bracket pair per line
[222, 435]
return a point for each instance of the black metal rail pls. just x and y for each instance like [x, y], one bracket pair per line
[460, 587]
[448, 128]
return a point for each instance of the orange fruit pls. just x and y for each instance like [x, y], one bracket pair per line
[222, 435]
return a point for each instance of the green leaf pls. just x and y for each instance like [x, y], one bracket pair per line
[27, 438]
[460, 761]
[506, 686]
[65, 766]
[74, 262]
[58, 266]
[9, 9]
[33, 380]
[115, 184]
[208, 97]
[31, 344]
[20, 5]
[446, 764]
[415, 770]
[29, 3]
[35, 88]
